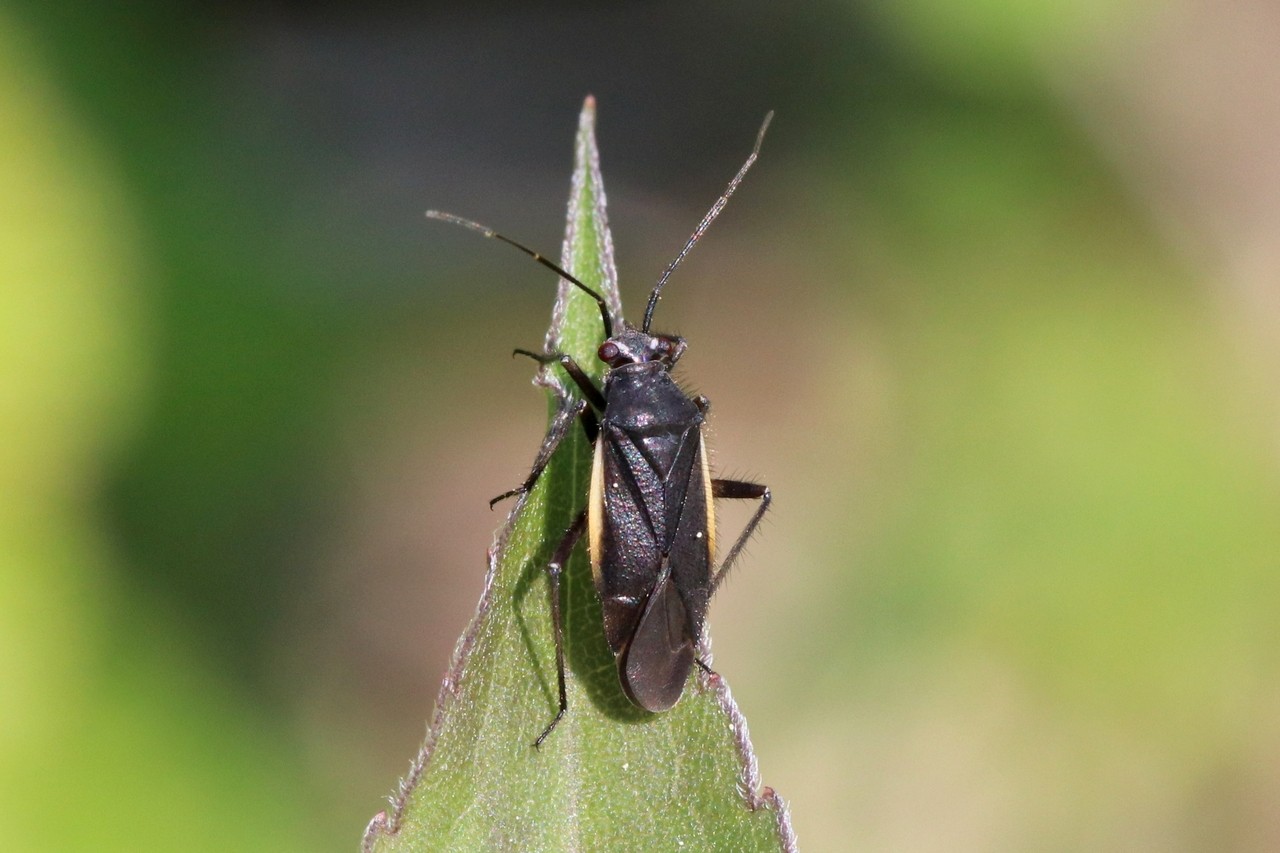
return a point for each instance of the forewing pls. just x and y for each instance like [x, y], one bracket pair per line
[690, 537]
[654, 556]
[656, 663]
[631, 533]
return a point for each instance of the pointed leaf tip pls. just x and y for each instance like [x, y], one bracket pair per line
[610, 777]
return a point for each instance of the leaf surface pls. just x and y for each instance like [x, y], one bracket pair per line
[610, 777]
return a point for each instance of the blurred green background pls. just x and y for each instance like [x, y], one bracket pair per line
[995, 316]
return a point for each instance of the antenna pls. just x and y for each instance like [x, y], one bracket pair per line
[490, 233]
[702, 226]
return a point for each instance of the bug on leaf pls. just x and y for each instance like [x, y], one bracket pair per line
[650, 511]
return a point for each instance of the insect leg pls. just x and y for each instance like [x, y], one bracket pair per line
[562, 423]
[554, 568]
[739, 490]
[576, 373]
[560, 426]
[702, 665]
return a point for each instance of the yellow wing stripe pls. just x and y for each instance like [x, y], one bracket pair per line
[595, 509]
[711, 504]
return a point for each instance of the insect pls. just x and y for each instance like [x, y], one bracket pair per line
[650, 512]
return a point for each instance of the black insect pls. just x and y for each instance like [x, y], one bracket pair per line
[650, 513]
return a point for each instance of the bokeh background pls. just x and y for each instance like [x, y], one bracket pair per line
[996, 315]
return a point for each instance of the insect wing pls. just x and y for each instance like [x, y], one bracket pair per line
[627, 523]
[656, 663]
[651, 553]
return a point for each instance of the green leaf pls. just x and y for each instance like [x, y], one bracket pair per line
[610, 777]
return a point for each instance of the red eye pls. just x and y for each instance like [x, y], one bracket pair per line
[608, 351]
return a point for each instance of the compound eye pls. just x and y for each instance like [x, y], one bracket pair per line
[608, 352]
